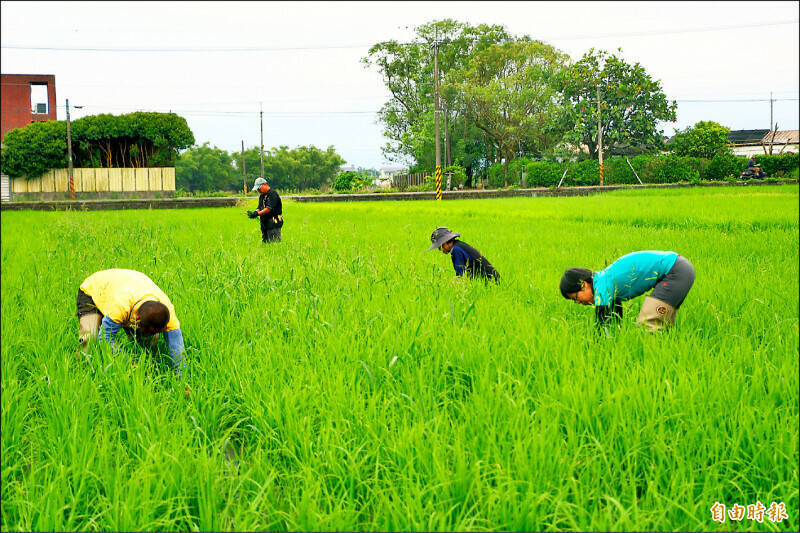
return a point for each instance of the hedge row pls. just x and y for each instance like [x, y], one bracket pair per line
[651, 169]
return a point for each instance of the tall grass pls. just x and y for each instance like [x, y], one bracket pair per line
[342, 381]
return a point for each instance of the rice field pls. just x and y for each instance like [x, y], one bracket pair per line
[342, 380]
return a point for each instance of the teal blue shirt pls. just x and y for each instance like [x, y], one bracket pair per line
[631, 275]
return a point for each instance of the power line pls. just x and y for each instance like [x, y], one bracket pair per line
[346, 46]
[221, 49]
[676, 32]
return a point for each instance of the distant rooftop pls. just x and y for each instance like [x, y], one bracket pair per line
[747, 136]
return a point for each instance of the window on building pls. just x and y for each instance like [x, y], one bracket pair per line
[39, 98]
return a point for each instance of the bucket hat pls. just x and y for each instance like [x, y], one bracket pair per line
[259, 183]
[441, 236]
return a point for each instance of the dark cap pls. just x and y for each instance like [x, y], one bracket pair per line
[440, 236]
[571, 280]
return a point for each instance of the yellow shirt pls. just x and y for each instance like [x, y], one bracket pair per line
[118, 293]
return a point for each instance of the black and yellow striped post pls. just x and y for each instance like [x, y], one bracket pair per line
[601, 172]
[438, 182]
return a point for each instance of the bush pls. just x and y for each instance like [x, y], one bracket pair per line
[651, 169]
[585, 172]
[673, 169]
[496, 176]
[345, 181]
[544, 173]
[459, 175]
[775, 165]
[724, 166]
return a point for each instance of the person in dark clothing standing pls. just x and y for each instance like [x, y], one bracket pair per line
[465, 257]
[270, 211]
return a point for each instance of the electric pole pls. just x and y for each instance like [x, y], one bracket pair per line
[261, 114]
[69, 151]
[436, 116]
[599, 136]
[770, 111]
[244, 171]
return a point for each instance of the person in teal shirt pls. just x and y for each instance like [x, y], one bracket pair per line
[667, 273]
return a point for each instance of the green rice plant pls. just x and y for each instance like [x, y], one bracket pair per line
[342, 380]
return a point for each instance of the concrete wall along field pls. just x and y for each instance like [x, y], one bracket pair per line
[99, 180]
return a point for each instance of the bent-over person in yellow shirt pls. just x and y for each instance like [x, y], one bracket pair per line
[118, 298]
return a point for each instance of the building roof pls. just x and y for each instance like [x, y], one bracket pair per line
[746, 136]
[782, 137]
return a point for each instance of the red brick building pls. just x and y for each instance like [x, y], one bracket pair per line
[26, 98]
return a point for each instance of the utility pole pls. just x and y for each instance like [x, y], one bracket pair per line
[436, 116]
[69, 151]
[446, 138]
[770, 111]
[599, 136]
[244, 171]
[261, 114]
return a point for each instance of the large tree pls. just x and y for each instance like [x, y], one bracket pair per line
[632, 104]
[407, 71]
[510, 92]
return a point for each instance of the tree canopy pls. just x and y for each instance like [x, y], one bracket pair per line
[131, 140]
[631, 103]
[201, 168]
[503, 96]
[509, 92]
[704, 139]
[407, 71]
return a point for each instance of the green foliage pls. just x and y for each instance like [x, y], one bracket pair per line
[509, 91]
[724, 166]
[345, 181]
[304, 167]
[775, 165]
[33, 150]
[704, 139]
[407, 71]
[651, 169]
[674, 169]
[113, 141]
[631, 104]
[542, 173]
[458, 175]
[496, 176]
[202, 168]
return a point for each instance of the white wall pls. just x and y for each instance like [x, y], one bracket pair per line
[758, 150]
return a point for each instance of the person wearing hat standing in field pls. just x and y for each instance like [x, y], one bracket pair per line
[270, 211]
[119, 298]
[465, 257]
[667, 273]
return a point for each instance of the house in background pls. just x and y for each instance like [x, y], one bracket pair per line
[782, 141]
[26, 98]
[752, 142]
[384, 179]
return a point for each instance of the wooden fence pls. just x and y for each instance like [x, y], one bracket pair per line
[401, 181]
[98, 180]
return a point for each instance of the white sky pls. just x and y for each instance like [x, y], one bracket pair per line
[314, 89]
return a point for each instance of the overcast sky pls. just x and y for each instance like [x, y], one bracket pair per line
[307, 75]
